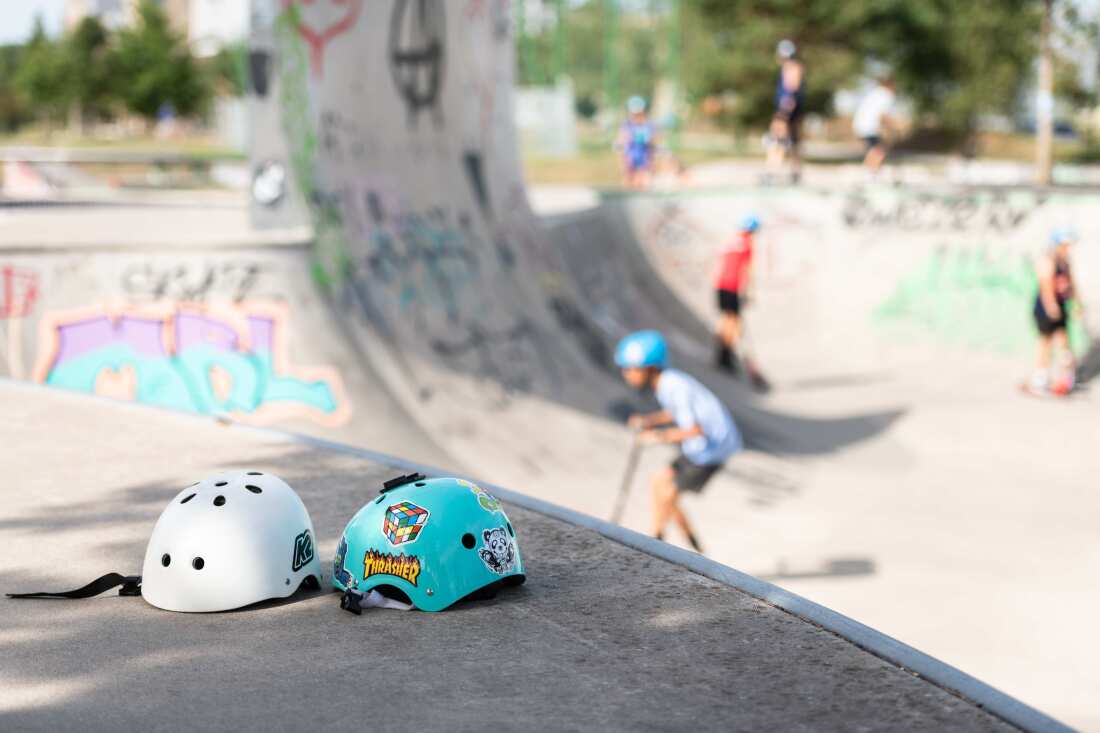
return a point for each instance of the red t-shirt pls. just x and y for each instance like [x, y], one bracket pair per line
[736, 258]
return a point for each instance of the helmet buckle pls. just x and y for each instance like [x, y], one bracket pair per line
[131, 587]
[351, 602]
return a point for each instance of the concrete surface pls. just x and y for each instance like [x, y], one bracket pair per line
[600, 637]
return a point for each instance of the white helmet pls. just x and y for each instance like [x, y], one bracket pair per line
[229, 541]
[786, 49]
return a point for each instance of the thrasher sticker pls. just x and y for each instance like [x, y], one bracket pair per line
[498, 552]
[406, 567]
[303, 551]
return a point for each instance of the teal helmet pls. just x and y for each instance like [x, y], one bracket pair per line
[642, 349]
[437, 541]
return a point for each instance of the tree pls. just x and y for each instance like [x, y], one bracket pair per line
[14, 109]
[156, 69]
[88, 68]
[956, 59]
[229, 69]
[41, 77]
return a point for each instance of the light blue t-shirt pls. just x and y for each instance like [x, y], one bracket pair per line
[690, 403]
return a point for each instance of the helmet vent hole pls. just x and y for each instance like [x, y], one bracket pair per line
[219, 500]
[254, 473]
[187, 498]
[254, 489]
[166, 559]
[468, 541]
[198, 563]
[510, 530]
[221, 483]
[420, 483]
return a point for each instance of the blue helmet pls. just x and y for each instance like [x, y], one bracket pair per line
[750, 223]
[636, 105]
[642, 349]
[1062, 235]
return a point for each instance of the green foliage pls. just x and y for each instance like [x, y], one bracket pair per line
[638, 39]
[229, 69]
[955, 59]
[42, 76]
[156, 69]
[14, 110]
[89, 63]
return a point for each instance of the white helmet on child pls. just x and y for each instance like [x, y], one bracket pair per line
[229, 541]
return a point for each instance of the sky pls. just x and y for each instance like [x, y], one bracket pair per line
[17, 18]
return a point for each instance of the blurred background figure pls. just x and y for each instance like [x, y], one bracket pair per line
[784, 134]
[637, 143]
[732, 286]
[874, 125]
[1051, 313]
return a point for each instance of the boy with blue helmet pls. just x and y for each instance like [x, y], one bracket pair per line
[690, 415]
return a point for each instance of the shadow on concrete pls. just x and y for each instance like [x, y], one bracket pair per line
[1089, 367]
[831, 568]
[834, 381]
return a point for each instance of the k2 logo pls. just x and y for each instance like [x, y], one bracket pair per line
[303, 550]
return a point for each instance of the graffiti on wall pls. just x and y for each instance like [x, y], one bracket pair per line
[970, 211]
[417, 55]
[18, 293]
[513, 357]
[226, 360]
[967, 296]
[296, 113]
[321, 23]
[185, 283]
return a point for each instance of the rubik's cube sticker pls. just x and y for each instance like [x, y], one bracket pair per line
[403, 522]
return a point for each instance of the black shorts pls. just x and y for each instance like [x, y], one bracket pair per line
[729, 301]
[1043, 322]
[871, 141]
[691, 476]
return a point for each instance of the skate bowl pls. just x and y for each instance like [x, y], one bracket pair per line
[400, 294]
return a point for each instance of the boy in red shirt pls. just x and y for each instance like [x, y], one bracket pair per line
[732, 284]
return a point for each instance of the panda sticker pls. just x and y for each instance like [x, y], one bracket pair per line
[498, 552]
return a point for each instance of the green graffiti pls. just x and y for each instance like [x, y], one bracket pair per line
[966, 297]
[332, 262]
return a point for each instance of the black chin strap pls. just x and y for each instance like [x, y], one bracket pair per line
[352, 601]
[131, 586]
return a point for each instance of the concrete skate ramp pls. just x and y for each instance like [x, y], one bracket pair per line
[600, 637]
